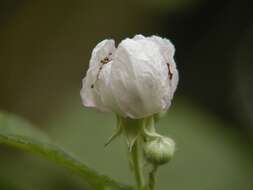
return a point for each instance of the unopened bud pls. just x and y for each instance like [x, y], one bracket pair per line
[159, 151]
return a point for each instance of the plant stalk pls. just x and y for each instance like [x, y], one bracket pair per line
[137, 166]
[152, 178]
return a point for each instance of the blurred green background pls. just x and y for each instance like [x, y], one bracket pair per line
[45, 48]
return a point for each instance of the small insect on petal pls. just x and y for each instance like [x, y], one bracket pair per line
[105, 60]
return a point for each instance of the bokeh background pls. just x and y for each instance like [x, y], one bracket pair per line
[44, 53]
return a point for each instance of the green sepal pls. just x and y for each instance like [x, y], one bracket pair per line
[148, 130]
[132, 129]
[116, 132]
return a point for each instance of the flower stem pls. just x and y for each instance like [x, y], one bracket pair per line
[137, 168]
[152, 178]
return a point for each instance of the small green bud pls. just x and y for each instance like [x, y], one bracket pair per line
[159, 151]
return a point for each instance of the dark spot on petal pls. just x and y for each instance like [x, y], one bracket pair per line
[103, 61]
[170, 73]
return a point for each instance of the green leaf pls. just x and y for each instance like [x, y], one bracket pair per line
[18, 133]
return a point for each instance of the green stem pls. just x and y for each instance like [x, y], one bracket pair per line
[152, 178]
[137, 168]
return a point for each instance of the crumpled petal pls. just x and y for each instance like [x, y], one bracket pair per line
[139, 77]
[168, 50]
[104, 87]
[90, 93]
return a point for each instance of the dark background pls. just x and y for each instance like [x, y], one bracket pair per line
[44, 53]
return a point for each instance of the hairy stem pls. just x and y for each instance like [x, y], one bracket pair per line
[152, 178]
[137, 166]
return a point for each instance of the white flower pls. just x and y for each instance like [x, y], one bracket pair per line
[137, 79]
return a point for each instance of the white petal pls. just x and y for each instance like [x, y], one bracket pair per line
[139, 77]
[102, 50]
[86, 95]
[90, 92]
[104, 86]
[168, 50]
[138, 37]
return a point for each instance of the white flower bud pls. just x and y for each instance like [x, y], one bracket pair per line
[159, 151]
[135, 80]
